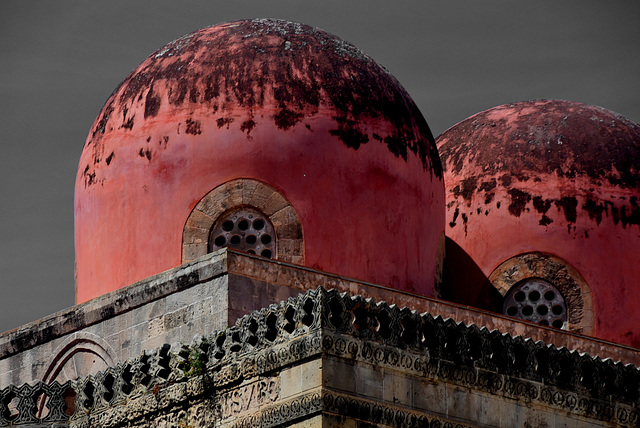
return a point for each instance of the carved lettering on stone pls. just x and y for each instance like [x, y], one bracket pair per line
[249, 397]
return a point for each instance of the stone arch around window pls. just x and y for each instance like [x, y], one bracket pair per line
[557, 272]
[250, 193]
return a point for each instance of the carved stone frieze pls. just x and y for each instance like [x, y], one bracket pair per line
[232, 374]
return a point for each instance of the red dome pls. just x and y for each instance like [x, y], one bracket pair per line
[289, 107]
[558, 178]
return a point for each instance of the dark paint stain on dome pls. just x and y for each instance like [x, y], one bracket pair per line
[466, 188]
[487, 186]
[151, 104]
[351, 137]
[456, 213]
[224, 121]
[303, 69]
[541, 205]
[568, 205]
[193, 127]
[519, 201]
[247, 126]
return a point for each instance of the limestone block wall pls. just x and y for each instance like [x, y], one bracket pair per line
[86, 338]
[329, 359]
[207, 295]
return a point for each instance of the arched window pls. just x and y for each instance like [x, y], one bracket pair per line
[246, 229]
[536, 300]
[527, 282]
[248, 215]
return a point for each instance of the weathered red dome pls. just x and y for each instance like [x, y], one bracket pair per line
[556, 178]
[285, 107]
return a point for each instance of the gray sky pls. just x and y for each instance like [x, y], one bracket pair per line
[59, 62]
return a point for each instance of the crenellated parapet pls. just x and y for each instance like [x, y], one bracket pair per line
[306, 357]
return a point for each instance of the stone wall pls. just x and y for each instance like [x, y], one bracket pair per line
[195, 299]
[329, 359]
[206, 295]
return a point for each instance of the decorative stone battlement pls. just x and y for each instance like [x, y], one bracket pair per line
[269, 369]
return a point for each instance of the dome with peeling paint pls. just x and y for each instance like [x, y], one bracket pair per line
[287, 106]
[551, 177]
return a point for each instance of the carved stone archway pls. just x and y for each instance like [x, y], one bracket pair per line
[557, 272]
[250, 193]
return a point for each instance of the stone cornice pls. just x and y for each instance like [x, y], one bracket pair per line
[321, 323]
[230, 262]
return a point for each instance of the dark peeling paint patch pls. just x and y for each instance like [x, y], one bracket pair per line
[224, 121]
[110, 158]
[151, 104]
[351, 137]
[298, 69]
[625, 215]
[248, 126]
[100, 127]
[194, 94]
[498, 204]
[193, 127]
[568, 205]
[615, 213]
[594, 210]
[452, 223]
[285, 118]
[630, 215]
[178, 94]
[128, 124]
[465, 219]
[541, 205]
[89, 177]
[396, 146]
[506, 180]
[488, 197]
[487, 186]
[545, 221]
[467, 188]
[145, 153]
[519, 200]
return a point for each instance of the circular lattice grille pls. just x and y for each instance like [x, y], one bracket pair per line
[245, 229]
[538, 301]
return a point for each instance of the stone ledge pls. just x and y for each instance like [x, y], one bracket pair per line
[262, 345]
[303, 278]
[281, 274]
[113, 304]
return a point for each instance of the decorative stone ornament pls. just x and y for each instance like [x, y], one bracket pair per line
[268, 370]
